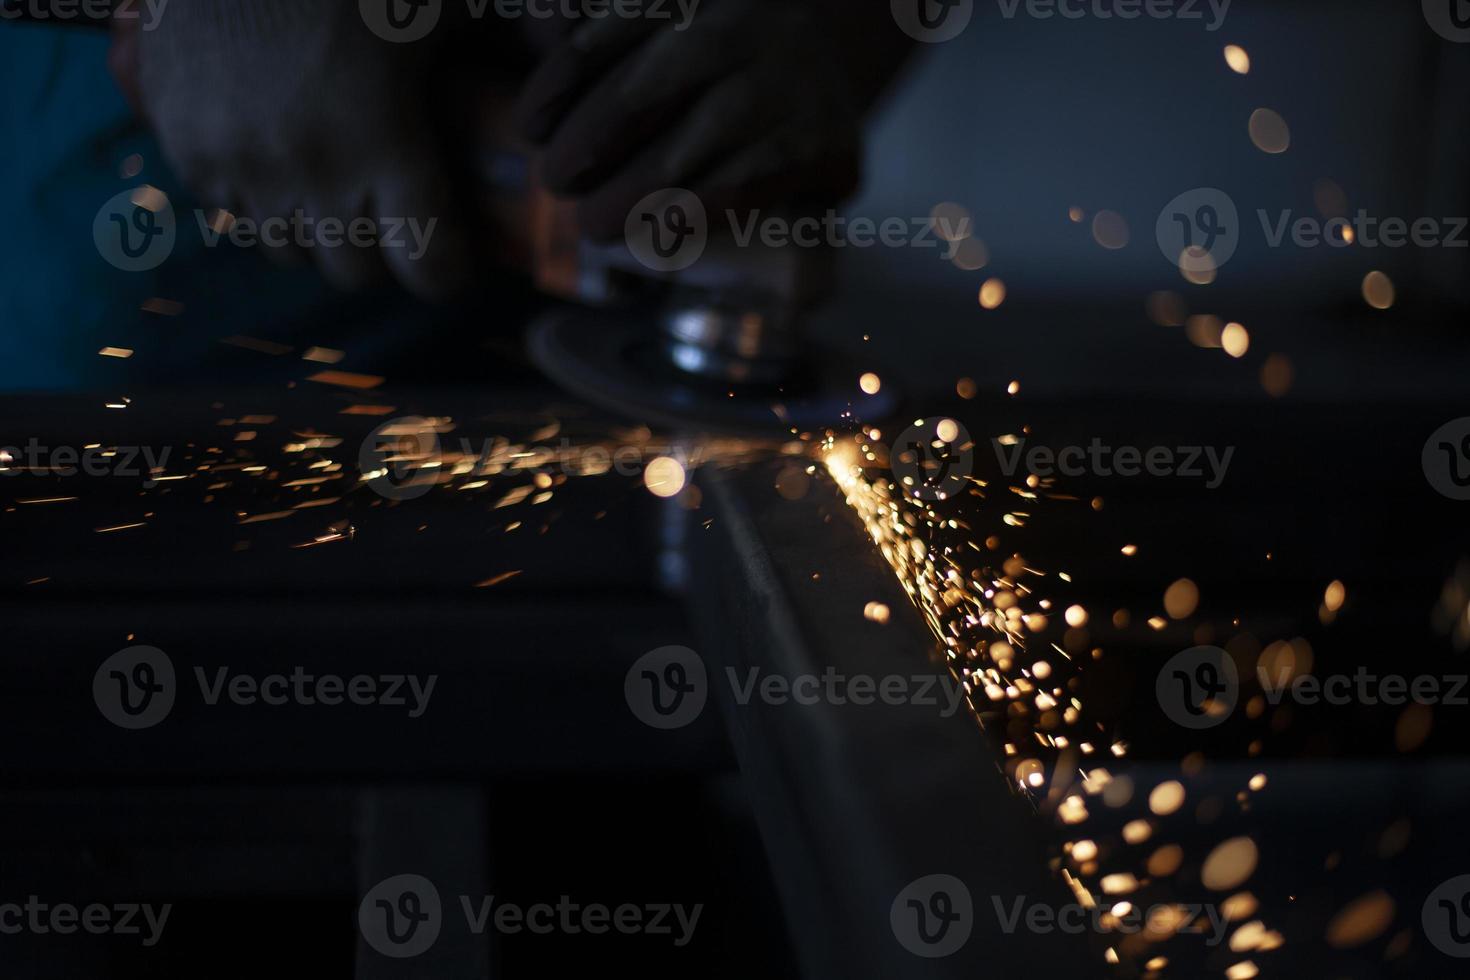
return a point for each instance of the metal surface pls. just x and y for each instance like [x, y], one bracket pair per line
[276, 819]
[855, 803]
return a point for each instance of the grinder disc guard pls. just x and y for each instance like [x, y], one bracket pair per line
[615, 360]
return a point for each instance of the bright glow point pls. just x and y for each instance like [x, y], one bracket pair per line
[1378, 290]
[1237, 59]
[992, 294]
[664, 477]
[1235, 339]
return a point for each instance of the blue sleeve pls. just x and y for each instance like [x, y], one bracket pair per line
[73, 145]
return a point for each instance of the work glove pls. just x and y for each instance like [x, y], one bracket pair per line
[748, 103]
[267, 108]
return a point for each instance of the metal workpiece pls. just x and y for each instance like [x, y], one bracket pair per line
[857, 803]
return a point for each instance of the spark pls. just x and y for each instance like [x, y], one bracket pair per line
[1269, 132]
[1235, 339]
[1378, 291]
[347, 379]
[497, 579]
[664, 477]
[992, 294]
[323, 355]
[987, 612]
[1334, 596]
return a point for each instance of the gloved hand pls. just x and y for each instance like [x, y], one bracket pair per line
[265, 107]
[755, 103]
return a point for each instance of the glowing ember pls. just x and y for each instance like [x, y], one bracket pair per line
[664, 477]
[1237, 59]
[1166, 798]
[1181, 599]
[1235, 339]
[876, 612]
[1269, 131]
[1378, 291]
[992, 294]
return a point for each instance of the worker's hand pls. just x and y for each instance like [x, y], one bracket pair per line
[748, 103]
[276, 109]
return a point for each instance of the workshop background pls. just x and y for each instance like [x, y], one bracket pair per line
[369, 486]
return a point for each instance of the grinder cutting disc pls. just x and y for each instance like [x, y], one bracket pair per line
[619, 362]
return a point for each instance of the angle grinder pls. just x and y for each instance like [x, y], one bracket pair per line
[713, 346]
